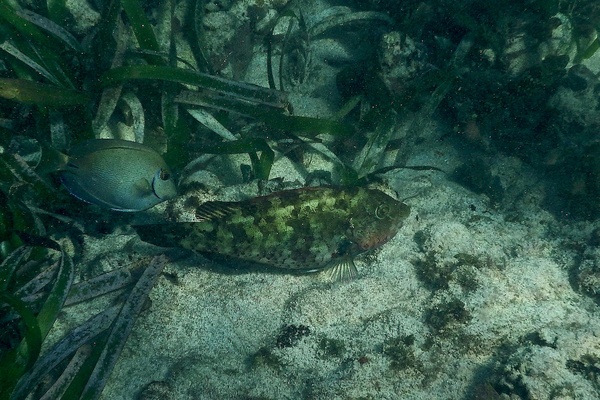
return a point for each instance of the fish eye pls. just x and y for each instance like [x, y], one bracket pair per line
[382, 211]
[164, 175]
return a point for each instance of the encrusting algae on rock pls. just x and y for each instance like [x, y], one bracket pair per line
[307, 229]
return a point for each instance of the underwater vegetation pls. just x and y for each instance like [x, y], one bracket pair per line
[524, 87]
[489, 70]
[38, 273]
[37, 282]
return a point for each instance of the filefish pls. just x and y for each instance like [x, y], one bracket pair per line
[117, 174]
[307, 229]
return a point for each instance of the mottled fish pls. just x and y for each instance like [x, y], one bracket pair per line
[117, 174]
[307, 229]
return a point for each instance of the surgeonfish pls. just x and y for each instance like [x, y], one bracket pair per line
[117, 174]
[308, 229]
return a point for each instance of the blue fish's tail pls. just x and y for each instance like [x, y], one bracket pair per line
[51, 160]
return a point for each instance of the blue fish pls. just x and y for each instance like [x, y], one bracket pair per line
[117, 174]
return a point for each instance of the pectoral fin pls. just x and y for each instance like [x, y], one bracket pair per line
[342, 270]
[142, 188]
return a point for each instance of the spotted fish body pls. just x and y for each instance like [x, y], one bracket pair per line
[306, 229]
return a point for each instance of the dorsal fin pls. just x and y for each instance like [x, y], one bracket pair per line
[214, 209]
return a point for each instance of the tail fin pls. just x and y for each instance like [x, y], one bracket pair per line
[164, 235]
[51, 160]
